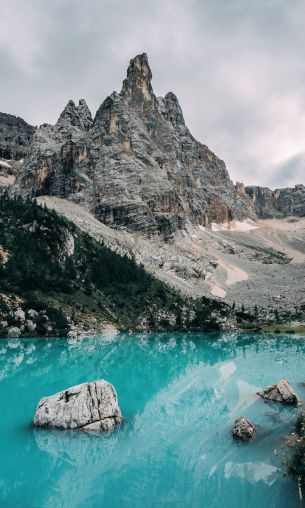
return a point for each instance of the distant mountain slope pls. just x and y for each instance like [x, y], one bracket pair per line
[252, 265]
[48, 265]
[16, 135]
[278, 203]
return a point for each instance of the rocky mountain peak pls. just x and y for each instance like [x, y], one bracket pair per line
[85, 113]
[77, 116]
[171, 110]
[137, 87]
[138, 167]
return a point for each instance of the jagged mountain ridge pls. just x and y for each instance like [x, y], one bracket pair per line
[136, 165]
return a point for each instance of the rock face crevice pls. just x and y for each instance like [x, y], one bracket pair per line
[136, 165]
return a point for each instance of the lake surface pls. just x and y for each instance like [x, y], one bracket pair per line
[179, 395]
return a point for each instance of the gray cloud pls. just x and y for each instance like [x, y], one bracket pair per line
[237, 68]
[290, 171]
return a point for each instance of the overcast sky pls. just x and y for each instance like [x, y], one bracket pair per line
[237, 67]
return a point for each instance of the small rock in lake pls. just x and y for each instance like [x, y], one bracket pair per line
[89, 406]
[281, 392]
[243, 429]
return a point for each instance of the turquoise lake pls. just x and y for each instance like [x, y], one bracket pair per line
[179, 395]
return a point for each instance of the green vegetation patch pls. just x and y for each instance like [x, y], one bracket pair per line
[47, 260]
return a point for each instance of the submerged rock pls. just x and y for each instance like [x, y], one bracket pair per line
[281, 392]
[89, 406]
[243, 429]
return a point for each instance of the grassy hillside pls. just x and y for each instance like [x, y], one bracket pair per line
[48, 265]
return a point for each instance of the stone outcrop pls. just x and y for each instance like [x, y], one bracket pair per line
[13, 332]
[243, 430]
[89, 406]
[136, 166]
[24, 322]
[281, 392]
[15, 137]
[279, 203]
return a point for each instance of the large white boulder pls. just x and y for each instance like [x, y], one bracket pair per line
[89, 406]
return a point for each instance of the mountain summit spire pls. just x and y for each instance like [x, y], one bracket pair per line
[137, 87]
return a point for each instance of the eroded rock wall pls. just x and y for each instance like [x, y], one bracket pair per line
[278, 203]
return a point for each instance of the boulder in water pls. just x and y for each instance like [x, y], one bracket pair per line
[243, 429]
[281, 392]
[88, 406]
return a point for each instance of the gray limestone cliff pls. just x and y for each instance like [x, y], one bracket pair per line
[136, 166]
[15, 137]
[279, 203]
